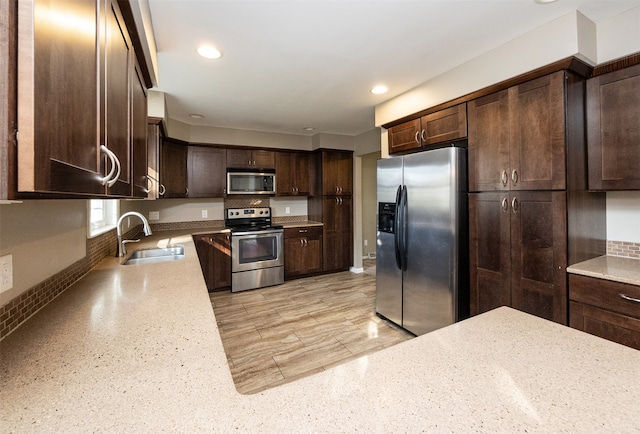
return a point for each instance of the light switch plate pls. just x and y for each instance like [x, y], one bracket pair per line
[6, 273]
[154, 215]
[205, 213]
[287, 210]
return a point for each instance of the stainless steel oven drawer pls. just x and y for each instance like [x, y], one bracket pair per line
[253, 279]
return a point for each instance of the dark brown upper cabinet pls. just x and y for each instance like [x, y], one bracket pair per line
[292, 173]
[75, 92]
[517, 137]
[439, 127]
[142, 183]
[206, 171]
[613, 130]
[250, 159]
[337, 172]
[173, 170]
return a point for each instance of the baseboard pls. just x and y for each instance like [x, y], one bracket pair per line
[355, 270]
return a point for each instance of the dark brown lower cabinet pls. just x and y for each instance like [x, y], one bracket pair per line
[605, 308]
[302, 251]
[214, 253]
[518, 252]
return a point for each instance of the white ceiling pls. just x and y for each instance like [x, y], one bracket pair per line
[292, 64]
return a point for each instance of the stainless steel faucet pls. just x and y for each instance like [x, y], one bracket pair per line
[122, 250]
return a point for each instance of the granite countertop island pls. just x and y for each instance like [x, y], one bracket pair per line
[136, 349]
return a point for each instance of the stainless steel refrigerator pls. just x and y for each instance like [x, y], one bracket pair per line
[422, 249]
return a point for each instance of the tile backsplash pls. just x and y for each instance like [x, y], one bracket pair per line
[623, 248]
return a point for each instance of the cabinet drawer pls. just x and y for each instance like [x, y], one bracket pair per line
[303, 231]
[605, 294]
[618, 328]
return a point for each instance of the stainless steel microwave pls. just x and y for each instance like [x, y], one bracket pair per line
[247, 182]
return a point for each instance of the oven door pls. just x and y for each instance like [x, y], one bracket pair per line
[255, 250]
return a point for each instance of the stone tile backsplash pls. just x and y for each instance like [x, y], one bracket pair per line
[623, 248]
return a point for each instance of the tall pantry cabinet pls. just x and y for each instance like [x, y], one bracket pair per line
[332, 204]
[530, 215]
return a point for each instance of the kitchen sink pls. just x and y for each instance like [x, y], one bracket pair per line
[147, 256]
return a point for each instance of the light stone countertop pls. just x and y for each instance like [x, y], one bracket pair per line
[136, 349]
[300, 224]
[616, 268]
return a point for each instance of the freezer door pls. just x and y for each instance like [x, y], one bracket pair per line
[388, 274]
[436, 194]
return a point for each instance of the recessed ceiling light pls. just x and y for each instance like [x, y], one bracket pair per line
[544, 2]
[379, 89]
[209, 52]
[308, 128]
[196, 116]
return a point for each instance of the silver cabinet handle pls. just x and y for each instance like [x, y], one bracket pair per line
[514, 205]
[504, 177]
[505, 204]
[186, 191]
[306, 242]
[514, 176]
[417, 137]
[163, 190]
[106, 179]
[301, 242]
[423, 136]
[303, 231]
[149, 180]
[626, 297]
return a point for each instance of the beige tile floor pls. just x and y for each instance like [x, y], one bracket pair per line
[276, 335]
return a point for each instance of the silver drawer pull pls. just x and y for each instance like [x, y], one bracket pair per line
[626, 297]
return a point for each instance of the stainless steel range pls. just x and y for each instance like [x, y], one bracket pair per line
[257, 256]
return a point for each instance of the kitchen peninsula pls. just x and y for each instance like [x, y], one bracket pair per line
[136, 349]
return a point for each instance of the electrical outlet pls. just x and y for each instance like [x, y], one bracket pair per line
[205, 213]
[287, 210]
[366, 242]
[154, 215]
[6, 273]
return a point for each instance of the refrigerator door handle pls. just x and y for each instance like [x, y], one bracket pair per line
[403, 228]
[396, 228]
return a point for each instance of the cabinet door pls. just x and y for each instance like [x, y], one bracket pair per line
[609, 325]
[221, 261]
[490, 251]
[444, 125]
[292, 174]
[489, 167]
[153, 160]
[57, 89]
[337, 236]
[294, 257]
[539, 254]
[263, 159]
[404, 137]
[613, 130]
[250, 159]
[337, 173]
[313, 254]
[115, 107]
[206, 171]
[337, 213]
[141, 183]
[214, 255]
[239, 158]
[537, 131]
[173, 169]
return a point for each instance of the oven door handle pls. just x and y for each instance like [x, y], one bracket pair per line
[257, 233]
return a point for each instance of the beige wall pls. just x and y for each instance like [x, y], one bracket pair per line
[44, 237]
[369, 202]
